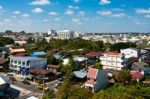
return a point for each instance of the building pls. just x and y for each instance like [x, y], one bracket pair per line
[65, 34]
[23, 64]
[96, 80]
[52, 32]
[130, 52]
[114, 61]
[21, 42]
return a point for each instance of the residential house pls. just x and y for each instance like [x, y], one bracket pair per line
[130, 52]
[23, 64]
[96, 80]
[114, 61]
[21, 42]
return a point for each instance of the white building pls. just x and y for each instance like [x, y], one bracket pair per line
[130, 52]
[114, 61]
[65, 34]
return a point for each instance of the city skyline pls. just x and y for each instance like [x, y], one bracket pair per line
[78, 15]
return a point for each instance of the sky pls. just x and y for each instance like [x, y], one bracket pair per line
[77, 15]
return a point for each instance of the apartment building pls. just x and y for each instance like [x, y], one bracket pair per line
[114, 61]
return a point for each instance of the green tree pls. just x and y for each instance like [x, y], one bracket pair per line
[50, 59]
[98, 65]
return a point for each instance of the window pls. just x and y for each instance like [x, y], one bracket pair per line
[28, 62]
[23, 63]
[11, 61]
[15, 62]
[19, 62]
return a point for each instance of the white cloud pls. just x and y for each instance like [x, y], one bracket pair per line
[117, 9]
[119, 15]
[7, 20]
[73, 7]
[76, 1]
[81, 13]
[1, 7]
[57, 19]
[25, 15]
[104, 12]
[69, 12]
[104, 2]
[75, 20]
[143, 11]
[53, 13]
[16, 12]
[139, 23]
[40, 2]
[147, 16]
[45, 20]
[85, 19]
[37, 10]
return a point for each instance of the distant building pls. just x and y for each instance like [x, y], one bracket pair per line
[23, 64]
[52, 32]
[114, 61]
[21, 42]
[96, 80]
[65, 34]
[130, 52]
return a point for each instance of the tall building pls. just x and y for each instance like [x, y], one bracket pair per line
[114, 61]
[52, 32]
[65, 34]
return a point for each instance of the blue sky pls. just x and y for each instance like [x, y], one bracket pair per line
[78, 15]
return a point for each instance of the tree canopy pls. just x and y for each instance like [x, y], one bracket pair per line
[6, 40]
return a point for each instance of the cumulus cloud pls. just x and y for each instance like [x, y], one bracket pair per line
[57, 19]
[76, 1]
[53, 13]
[73, 7]
[75, 20]
[16, 12]
[143, 11]
[119, 15]
[104, 2]
[147, 16]
[81, 13]
[104, 12]
[37, 10]
[25, 15]
[40, 2]
[69, 12]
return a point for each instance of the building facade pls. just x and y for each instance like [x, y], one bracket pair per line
[114, 61]
[65, 34]
[130, 52]
[23, 64]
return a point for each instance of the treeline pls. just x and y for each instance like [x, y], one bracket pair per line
[5, 40]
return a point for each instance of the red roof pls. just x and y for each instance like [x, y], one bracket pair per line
[92, 73]
[136, 75]
[20, 54]
[113, 53]
[93, 54]
[90, 82]
[40, 71]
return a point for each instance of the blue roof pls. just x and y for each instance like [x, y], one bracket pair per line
[80, 74]
[38, 53]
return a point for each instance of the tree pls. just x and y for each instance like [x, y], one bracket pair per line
[98, 65]
[123, 76]
[50, 59]
[68, 91]
[6, 40]
[49, 94]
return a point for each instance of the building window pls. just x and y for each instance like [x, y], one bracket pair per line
[28, 62]
[19, 62]
[23, 63]
[11, 61]
[15, 62]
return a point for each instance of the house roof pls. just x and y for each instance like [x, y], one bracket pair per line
[20, 54]
[40, 71]
[92, 73]
[93, 54]
[53, 66]
[17, 50]
[90, 82]
[136, 75]
[113, 53]
[80, 74]
[39, 53]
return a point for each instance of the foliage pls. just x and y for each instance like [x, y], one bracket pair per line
[118, 46]
[98, 65]
[6, 40]
[123, 76]
[120, 91]
[49, 95]
[68, 68]
[50, 59]
[67, 91]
